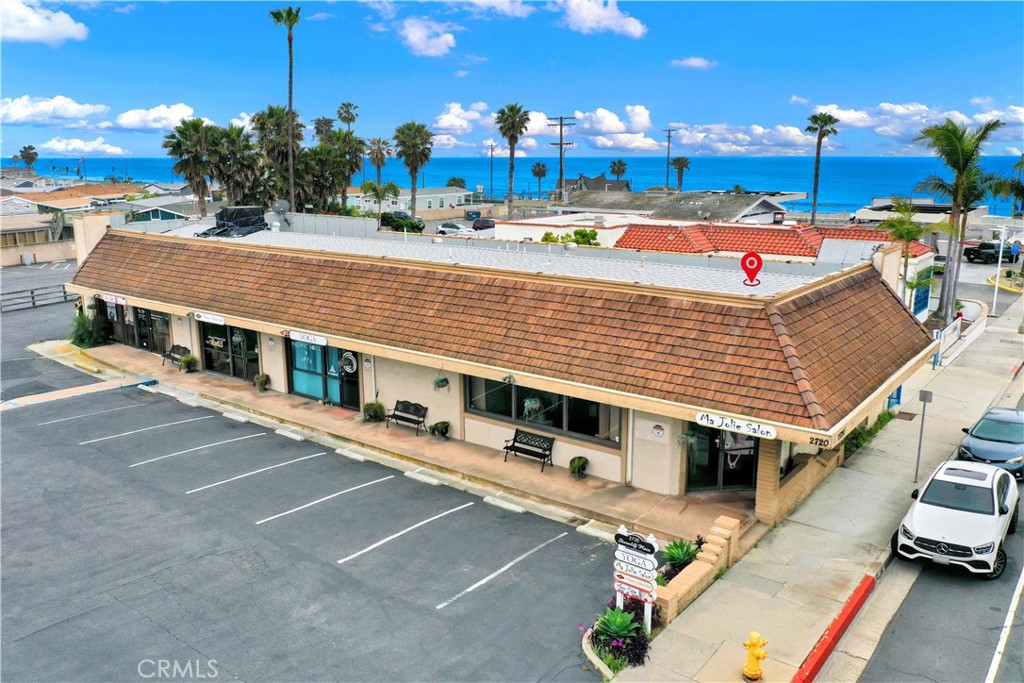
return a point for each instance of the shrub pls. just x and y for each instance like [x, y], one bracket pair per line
[439, 428]
[578, 466]
[88, 332]
[373, 411]
[863, 435]
[636, 608]
[615, 624]
[261, 381]
[189, 362]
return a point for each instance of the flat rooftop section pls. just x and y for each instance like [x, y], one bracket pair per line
[532, 259]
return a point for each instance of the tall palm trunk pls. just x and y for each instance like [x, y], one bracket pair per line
[817, 168]
[378, 174]
[291, 130]
[511, 173]
[1019, 171]
[679, 180]
[412, 195]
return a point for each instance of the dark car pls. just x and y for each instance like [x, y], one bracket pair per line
[997, 439]
[405, 215]
[988, 252]
[483, 223]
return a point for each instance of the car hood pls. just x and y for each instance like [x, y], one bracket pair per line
[996, 451]
[951, 526]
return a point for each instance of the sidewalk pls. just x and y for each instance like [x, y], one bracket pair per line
[797, 579]
[518, 482]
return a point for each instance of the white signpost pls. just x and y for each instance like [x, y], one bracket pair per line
[636, 570]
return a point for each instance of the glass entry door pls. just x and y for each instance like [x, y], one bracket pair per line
[717, 459]
[326, 373]
[230, 350]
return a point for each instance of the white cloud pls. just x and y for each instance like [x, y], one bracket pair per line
[796, 99]
[160, 117]
[454, 119]
[980, 101]
[516, 9]
[244, 120]
[729, 139]
[1013, 151]
[639, 118]
[426, 38]
[1010, 116]
[26, 21]
[855, 118]
[694, 63]
[598, 16]
[125, 9]
[538, 124]
[500, 149]
[598, 121]
[526, 143]
[321, 16]
[46, 110]
[75, 146]
[479, 106]
[625, 142]
[385, 10]
[461, 73]
[450, 142]
[378, 27]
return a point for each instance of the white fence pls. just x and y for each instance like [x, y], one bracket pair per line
[946, 337]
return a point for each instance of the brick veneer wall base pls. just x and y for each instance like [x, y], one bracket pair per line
[719, 553]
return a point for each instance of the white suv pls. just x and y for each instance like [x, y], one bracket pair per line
[961, 517]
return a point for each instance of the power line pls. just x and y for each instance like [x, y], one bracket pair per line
[561, 147]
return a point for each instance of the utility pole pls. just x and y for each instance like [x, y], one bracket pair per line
[490, 188]
[561, 148]
[668, 155]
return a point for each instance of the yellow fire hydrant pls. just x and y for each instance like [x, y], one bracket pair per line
[755, 653]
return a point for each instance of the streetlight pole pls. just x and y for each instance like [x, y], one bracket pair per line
[925, 397]
[490, 188]
[668, 156]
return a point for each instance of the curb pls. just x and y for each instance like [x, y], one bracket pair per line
[588, 651]
[821, 651]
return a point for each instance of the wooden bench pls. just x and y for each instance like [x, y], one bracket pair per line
[531, 445]
[175, 355]
[406, 412]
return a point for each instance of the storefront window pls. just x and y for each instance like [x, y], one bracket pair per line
[229, 350]
[325, 373]
[544, 410]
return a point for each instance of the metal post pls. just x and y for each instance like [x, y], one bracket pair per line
[668, 156]
[925, 397]
[999, 268]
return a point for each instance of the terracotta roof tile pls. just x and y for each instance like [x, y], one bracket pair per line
[847, 337]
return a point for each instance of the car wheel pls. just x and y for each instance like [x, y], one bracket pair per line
[894, 543]
[990, 259]
[971, 259]
[1012, 529]
[998, 566]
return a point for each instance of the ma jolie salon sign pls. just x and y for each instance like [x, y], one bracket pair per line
[732, 425]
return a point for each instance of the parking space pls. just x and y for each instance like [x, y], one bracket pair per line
[138, 527]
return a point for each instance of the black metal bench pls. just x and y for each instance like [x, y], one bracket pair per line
[531, 445]
[408, 413]
[175, 355]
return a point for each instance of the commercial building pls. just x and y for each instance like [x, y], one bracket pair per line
[669, 378]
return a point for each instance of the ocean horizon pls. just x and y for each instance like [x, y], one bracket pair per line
[846, 183]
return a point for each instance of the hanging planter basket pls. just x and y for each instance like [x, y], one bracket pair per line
[440, 382]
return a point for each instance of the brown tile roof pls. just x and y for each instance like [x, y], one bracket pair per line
[75, 191]
[802, 364]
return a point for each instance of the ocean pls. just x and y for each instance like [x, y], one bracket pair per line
[846, 184]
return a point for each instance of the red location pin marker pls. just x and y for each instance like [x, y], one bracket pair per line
[751, 264]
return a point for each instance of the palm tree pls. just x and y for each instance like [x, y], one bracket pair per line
[235, 161]
[539, 170]
[16, 159]
[322, 127]
[902, 228]
[188, 145]
[29, 155]
[327, 175]
[273, 127]
[822, 125]
[414, 144]
[512, 121]
[347, 114]
[289, 17]
[1018, 202]
[959, 148]
[380, 193]
[680, 164]
[379, 149]
[350, 154]
[618, 168]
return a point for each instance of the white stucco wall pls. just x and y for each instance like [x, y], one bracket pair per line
[657, 459]
[398, 381]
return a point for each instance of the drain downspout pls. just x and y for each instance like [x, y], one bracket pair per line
[629, 449]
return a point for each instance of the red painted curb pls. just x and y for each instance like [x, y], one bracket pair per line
[819, 654]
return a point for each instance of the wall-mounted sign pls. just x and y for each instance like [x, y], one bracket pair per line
[658, 431]
[307, 338]
[348, 362]
[111, 299]
[208, 318]
[730, 425]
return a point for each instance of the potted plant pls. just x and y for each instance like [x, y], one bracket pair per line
[189, 362]
[440, 429]
[373, 411]
[440, 382]
[578, 467]
[261, 381]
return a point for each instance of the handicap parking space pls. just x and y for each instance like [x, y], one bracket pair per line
[284, 548]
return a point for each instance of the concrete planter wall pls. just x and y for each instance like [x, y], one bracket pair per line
[720, 552]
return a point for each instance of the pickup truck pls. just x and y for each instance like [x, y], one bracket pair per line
[988, 252]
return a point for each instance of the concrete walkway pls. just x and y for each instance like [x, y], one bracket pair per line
[519, 481]
[797, 579]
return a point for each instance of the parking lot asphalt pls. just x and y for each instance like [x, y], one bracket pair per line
[138, 529]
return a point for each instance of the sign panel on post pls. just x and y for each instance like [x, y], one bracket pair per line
[632, 570]
[641, 561]
[636, 570]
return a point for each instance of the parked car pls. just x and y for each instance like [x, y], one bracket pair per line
[483, 223]
[455, 229]
[997, 439]
[939, 264]
[961, 517]
[407, 216]
[988, 252]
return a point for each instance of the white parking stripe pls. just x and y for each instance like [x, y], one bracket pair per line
[145, 429]
[249, 474]
[401, 533]
[997, 656]
[333, 495]
[500, 571]
[98, 412]
[198, 448]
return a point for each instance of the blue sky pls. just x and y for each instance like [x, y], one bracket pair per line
[732, 78]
